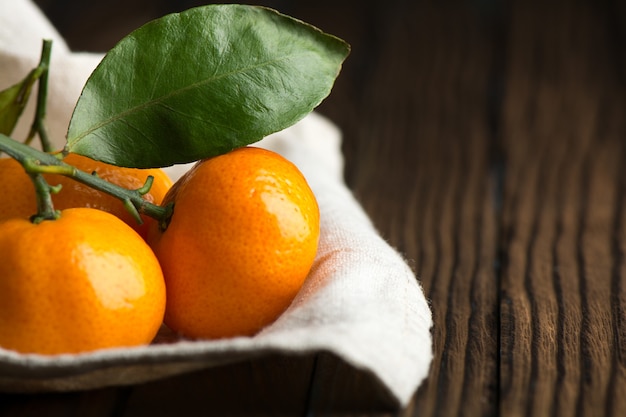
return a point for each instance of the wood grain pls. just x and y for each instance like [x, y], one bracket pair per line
[562, 285]
[430, 180]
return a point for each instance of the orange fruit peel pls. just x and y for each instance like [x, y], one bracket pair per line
[241, 241]
[84, 282]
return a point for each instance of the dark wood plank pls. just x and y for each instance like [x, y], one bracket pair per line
[337, 389]
[562, 295]
[97, 403]
[419, 159]
[272, 385]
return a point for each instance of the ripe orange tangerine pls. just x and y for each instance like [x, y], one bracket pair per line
[83, 282]
[241, 241]
[21, 202]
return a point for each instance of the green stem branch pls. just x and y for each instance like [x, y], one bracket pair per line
[45, 208]
[38, 126]
[36, 162]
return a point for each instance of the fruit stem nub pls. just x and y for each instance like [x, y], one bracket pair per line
[45, 208]
[145, 189]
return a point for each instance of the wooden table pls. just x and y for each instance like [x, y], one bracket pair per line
[486, 140]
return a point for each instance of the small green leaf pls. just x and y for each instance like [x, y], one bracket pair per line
[13, 100]
[200, 83]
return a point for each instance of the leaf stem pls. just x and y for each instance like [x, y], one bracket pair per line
[38, 126]
[36, 163]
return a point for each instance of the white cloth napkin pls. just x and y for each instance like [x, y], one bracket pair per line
[361, 301]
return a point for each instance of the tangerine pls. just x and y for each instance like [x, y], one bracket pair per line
[20, 200]
[241, 241]
[98, 286]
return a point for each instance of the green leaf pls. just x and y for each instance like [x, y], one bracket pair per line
[13, 100]
[201, 83]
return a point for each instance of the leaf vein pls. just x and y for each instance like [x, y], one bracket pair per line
[191, 116]
[165, 97]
